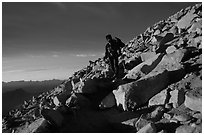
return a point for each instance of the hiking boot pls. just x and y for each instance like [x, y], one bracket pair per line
[114, 80]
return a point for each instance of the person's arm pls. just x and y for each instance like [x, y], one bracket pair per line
[106, 52]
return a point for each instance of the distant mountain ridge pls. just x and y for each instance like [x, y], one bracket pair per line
[20, 91]
[30, 86]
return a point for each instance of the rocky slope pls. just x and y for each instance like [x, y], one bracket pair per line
[159, 91]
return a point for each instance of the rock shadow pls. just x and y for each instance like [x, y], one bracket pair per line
[191, 53]
[176, 75]
[167, 38]
[122, 128]
[148, 68]
[169, 127]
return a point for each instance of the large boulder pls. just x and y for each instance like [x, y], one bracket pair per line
[144, 68]
[132, 61]
[141, 122]
[193, 100]
[177, 97]
[53, 116]
[62, 97]
[158, 63]
[37, 126]
[41, 126]
[171, 62]
[130, 122]
[97, 89]
[182, 117]
[147, 55]
[108, 102]
[195, 26]
[170, 49]
[192, 128]
[68, 86]
[149, 128]
[157, 113]
[79, 101]
[185, 21]
[159, 99]
[136, 93]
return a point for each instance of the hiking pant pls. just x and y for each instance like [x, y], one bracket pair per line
[114, 64]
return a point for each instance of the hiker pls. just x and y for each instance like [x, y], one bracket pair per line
[113, 51]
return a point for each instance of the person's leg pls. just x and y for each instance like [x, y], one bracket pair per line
[111, 60]
[124, 68]
[116, 66]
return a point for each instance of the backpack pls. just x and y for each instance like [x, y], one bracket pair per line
[119, 42]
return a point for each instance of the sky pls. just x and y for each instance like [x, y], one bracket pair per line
[52, 40]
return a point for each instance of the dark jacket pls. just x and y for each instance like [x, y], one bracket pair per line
[113, 49]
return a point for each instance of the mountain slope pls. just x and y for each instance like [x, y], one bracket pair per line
[160, 89]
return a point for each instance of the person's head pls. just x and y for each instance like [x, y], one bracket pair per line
[108, 37]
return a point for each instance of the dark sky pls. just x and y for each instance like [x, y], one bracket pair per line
[52, 40]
